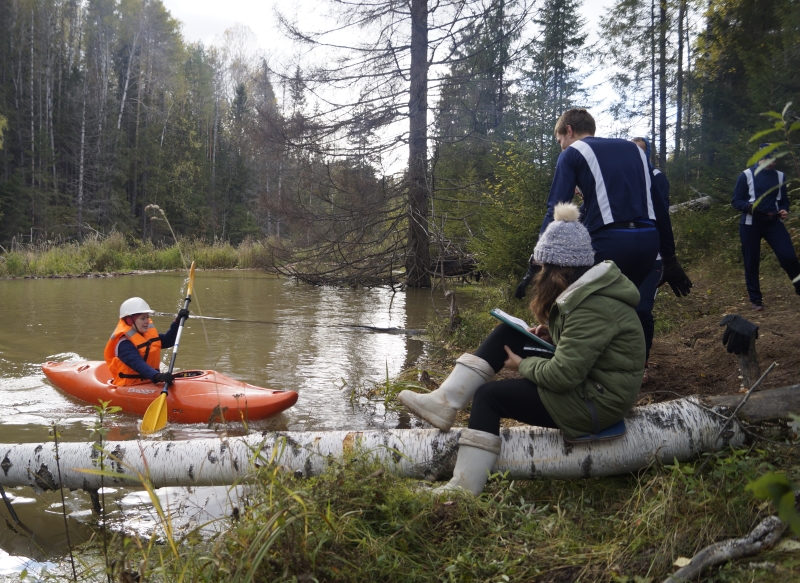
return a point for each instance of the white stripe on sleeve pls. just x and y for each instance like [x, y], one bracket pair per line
[748, 174]
[750, 186]
[599, 183]
[650, 212]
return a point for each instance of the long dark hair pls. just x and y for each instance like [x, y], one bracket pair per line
[548, 284]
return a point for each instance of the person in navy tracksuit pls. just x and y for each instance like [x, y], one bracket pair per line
[647, 291]
[625, 222]
[762, 218]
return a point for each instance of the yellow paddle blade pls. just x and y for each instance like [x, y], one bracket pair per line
[191, 280]
[155, 418]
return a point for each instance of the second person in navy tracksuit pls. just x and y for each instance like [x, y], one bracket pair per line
[627, 225]
[647, 291]
[763, 219]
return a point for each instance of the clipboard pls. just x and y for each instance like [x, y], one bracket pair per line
[521, 326]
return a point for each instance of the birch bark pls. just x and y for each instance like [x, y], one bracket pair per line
[663, 432]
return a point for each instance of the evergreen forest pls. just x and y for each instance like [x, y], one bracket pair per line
[107, 112]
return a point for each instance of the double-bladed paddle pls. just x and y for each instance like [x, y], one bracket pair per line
[155, 418]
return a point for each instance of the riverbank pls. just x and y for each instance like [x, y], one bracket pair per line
[114, 254]
[688, 357]
[104, 274]
[357, 523]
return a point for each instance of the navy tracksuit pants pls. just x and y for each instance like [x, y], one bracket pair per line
[776, 235]
[647, 295]
[633, 250]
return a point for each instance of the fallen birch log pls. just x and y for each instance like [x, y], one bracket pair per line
[680, 429]
[696, 204]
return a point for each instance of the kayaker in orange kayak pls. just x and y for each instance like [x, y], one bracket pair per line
[133, 353]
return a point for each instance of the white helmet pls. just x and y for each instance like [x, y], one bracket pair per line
[133, 306]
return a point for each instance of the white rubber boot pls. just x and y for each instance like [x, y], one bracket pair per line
[439, 407]
[477, 453]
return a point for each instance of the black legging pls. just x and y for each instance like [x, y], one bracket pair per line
[510, 399]
[491, 350]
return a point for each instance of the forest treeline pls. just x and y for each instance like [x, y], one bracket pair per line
[105, 111]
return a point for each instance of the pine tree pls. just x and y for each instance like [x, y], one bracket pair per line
[628, 51]
[644, 44]
[470, 122]
[551, 83]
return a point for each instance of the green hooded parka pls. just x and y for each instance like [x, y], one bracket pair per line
[600, 352]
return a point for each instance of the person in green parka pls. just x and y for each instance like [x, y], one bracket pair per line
[588, 384]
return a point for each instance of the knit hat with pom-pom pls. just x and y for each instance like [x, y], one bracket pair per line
[566, 241]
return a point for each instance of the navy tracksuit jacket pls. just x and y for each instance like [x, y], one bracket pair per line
[763, 222]
[625, 221]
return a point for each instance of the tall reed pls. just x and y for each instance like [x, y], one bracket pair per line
[114, 253]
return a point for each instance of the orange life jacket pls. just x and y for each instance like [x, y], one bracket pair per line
[148, 345]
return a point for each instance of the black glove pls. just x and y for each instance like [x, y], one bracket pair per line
[673, 274]
[163, 377]
[182, 313]
[533, 269]
[738, 333]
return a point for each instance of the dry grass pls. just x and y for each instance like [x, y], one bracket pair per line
[114, 254]
[357, 523]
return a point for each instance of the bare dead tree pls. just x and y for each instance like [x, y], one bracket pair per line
[365, 87]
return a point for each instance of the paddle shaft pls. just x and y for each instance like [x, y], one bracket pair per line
[155, 417]
[177, 340]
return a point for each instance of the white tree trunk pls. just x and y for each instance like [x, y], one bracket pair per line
[80, 165]
[33, 118]
[678, 429]
[128, 72]
[696, 204]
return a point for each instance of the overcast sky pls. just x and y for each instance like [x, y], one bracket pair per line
[205, 20]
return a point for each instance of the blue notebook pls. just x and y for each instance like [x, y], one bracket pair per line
[522, 326]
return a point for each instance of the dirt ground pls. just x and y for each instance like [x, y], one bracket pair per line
[691, 359]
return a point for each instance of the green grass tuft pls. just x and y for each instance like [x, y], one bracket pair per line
[114, 253]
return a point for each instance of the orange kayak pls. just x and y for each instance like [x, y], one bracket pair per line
[198, 396]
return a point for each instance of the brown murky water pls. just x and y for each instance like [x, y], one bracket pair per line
[260, 329]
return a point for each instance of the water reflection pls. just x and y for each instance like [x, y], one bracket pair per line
[12, 565]
[271, 332]
[42, 514]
